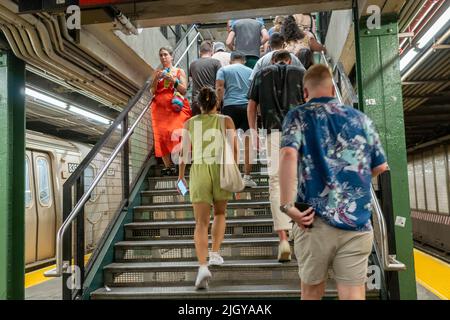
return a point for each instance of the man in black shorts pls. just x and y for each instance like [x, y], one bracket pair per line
[232, 85]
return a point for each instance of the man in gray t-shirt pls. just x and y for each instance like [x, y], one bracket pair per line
[247, 36]
[203, 72]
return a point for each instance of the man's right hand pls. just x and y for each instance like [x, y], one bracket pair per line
[302, 218]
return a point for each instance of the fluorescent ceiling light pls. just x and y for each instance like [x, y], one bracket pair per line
[89, 115]
[55, 102]
[407, 58]
[45, 98]
[435, 28]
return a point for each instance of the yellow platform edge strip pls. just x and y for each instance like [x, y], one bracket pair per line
[433, 274]
[37, 277]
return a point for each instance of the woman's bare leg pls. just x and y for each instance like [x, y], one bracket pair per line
[167, 161]
[218, 227]
[201, 213]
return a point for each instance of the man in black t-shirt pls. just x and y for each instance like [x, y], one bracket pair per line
[203, 72]
[276, 89]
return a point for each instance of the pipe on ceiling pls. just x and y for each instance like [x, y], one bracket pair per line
[36, 44]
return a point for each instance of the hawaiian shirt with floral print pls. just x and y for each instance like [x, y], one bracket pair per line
[338, 148]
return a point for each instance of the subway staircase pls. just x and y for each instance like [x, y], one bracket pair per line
[157, 260]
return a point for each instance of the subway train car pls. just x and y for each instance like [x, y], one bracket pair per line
[48, 164]
[429, 185]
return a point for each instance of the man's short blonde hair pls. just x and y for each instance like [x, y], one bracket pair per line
[317, 75]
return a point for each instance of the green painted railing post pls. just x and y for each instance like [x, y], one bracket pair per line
[380, 93]
[12, 176]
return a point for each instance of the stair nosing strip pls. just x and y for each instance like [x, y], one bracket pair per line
[187, 205]
[192, 222]
[156, 191]
[188, 265]
[131, 243]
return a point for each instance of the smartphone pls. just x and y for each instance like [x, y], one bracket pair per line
[182, 187]
[303, 207]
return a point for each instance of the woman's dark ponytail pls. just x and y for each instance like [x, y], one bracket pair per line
[207, 99]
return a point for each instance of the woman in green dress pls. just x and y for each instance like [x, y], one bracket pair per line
[203, 133]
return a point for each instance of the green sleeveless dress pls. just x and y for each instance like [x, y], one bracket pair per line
[207, 144]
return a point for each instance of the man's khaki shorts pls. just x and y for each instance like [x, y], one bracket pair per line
[324, 246]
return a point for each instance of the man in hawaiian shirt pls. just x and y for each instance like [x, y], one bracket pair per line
[335, 151]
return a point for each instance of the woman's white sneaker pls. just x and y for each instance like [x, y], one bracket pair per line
[215, 259]
[203, 276]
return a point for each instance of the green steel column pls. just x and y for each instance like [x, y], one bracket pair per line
[12, 176]
[381, 96]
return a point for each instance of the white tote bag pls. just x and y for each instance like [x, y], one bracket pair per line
[230, 176]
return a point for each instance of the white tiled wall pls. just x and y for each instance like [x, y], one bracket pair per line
[441, 179]
[412, 188]
[419, 182]
[430, 188]
[432, 185]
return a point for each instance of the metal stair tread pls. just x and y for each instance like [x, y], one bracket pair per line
[188, 205]
[290, 289]
[159, 192]
[270, 290]
[170, 265]
[175, 177]
[190, 242]
[146, 224]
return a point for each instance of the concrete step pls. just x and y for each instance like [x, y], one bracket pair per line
[184, 210]
[159, 230]
[170, 250]
[176, 273]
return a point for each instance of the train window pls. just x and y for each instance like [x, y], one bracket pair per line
[28, 194]
[441, 180]
[89, 175]
[420, 190]
[44, 184]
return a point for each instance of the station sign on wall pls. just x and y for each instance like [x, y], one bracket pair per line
[55, 5]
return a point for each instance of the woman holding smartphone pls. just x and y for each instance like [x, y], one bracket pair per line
[203, 132]
[168, 83]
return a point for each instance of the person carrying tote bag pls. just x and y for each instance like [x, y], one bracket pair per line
[230, 176]
[205, 178]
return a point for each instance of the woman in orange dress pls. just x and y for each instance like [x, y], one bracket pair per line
[168, 114]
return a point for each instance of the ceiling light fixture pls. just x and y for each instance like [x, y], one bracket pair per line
[44, 98]
[89, 115]
[58, 103]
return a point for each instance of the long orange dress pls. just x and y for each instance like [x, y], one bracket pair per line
[164, 119]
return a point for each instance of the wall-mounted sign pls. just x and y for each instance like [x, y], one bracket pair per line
[72, 167]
